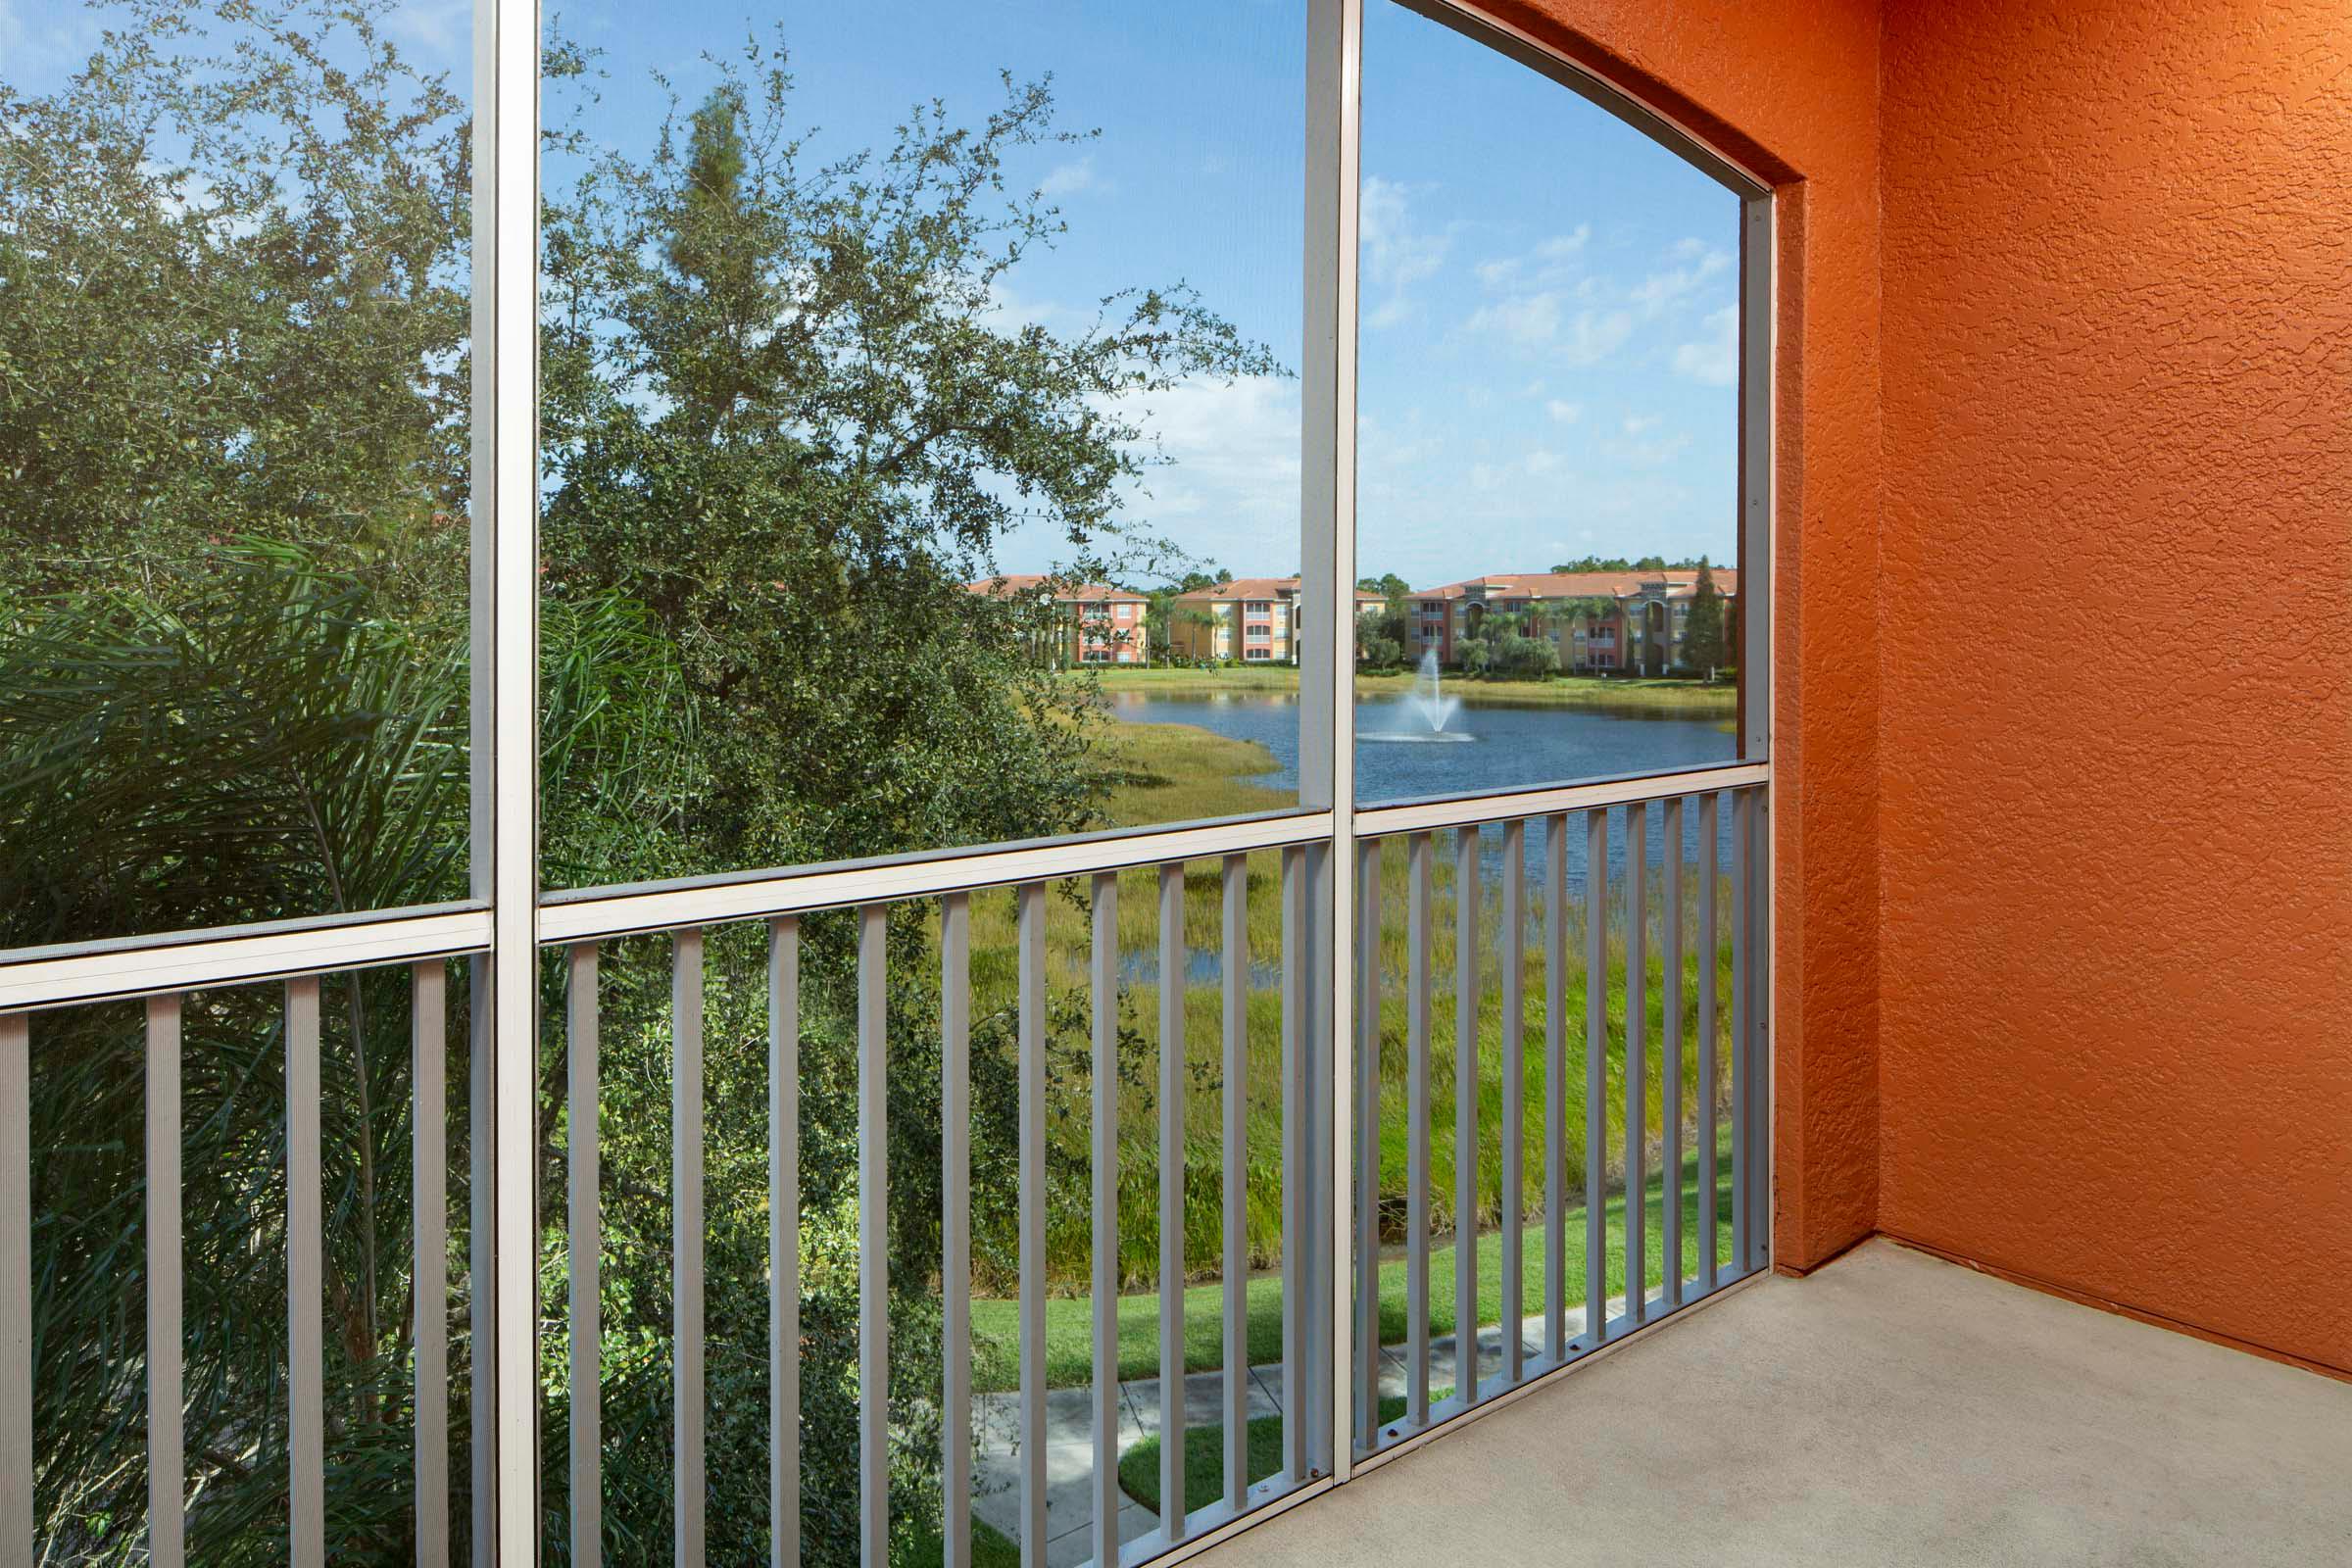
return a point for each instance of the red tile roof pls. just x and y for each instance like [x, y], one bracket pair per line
[1678, 584]
[1009, 583]
[1260, 588]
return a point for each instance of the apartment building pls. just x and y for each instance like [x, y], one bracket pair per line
[1255, 620]
[1601, 620]
[1078, 623]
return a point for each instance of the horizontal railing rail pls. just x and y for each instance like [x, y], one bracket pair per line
[1477, 810]
[56, 977]
[626, 912]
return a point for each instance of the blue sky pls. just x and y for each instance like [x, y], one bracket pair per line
[1546, 296]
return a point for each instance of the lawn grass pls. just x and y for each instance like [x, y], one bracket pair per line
[1069, 1319]
[991, 1549]
[1204, 1457]
[1630, 693]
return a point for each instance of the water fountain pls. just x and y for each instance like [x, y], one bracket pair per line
[1436, 709]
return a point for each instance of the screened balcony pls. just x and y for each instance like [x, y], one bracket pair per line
[587, 975]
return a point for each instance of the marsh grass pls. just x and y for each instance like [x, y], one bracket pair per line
[1212, 772]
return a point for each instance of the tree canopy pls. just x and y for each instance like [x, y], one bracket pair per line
[1705, 639]
[784, 420]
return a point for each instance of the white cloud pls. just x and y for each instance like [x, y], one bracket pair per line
[1713, 360]
[61, 38]
[1597, 334]
[1067, 180]
[1661, 289]
[1397, 254]
[443, 27]
[1546, 266]
[1542, 323]
[1640, 449]
[1009, 311]
[1563, 411]
[1560, 247]
[1529, 322]
[1221, 480]
[1232, 458]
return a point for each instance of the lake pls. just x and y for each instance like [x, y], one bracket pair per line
[1511, 747]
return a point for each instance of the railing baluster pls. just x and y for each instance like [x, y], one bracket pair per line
[481, 1254]
[1670, 1071]
[167, 1466]
[873, 1236]
[1758, 1093]
[428, 1035]
[305, 1293]
[956, 1224]
[1235, 959]
[587, 1246]
[1106, 1173]
[1172, 1090]
[1740, 1003]
[1513, 954]
[1033, 1223]
[1295, 1196]
[1555, 1089]
[1709, 826]
[686, 1245]
[1367, 1136]
[1465, 1114]
[1596, 1076]
[1419, 871]
[15, 1292]
[1637, 1060]
[784, 1241]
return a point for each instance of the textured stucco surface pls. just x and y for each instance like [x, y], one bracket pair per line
[2116, 814]
[1790, 89]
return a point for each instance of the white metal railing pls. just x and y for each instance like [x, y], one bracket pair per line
[303, 1412]
[1689, 898]
[1176, 1525]
[1676, 886]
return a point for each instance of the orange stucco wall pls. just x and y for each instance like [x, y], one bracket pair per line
[1790, 90]
[2116, 851]
[2062, 980]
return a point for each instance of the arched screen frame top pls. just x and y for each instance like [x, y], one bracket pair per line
[1506, 40]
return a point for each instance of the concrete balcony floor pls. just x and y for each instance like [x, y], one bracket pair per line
[1890, 1409]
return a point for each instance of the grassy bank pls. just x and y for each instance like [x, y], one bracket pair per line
[1160, 761]
[1626, 693]
[1069, 1321]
